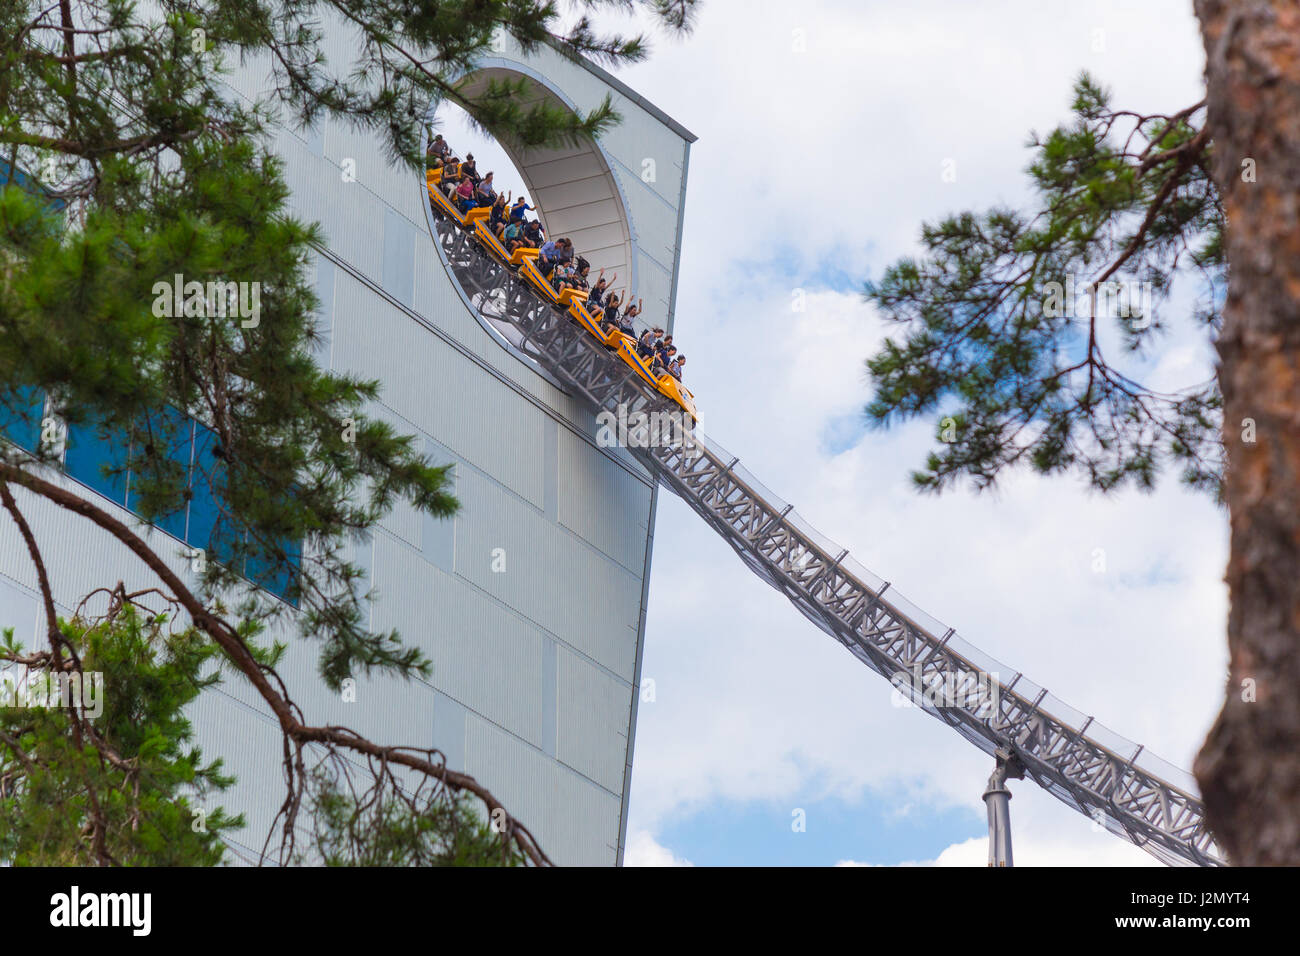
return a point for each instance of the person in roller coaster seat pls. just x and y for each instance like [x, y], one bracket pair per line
[662, 347]
[566, 250]
[668, 356]
[437, 153]
[675, 366]
[497, 217]
[548, 256]
[469, 170]
[450, 183]
[519, 208]
[645, 347]
[465, 194]
[596, 297]
[485, 193]
[612, 303]
[627, 328]
[609, 314]
[533, 235]
[512, 236]
[553, 253]
[562, 277]
[580, 275]
[632, 311]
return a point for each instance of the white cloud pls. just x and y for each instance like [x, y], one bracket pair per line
[832, 158]
[754, 703]
[813, 171]
[974, 852]
[643, 850]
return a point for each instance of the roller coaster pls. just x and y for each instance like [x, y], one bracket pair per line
[1117, 783]
[524, 262]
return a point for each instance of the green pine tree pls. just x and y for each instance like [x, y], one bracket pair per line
[124, 786]
[1004, 318]
[1206, 193]
[396, 828]
[129, 161]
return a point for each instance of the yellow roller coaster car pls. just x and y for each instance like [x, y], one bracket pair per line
[528, 269]
[440, 200]
[524, 260]
[625, 345]
[434, 176]
[490, 242]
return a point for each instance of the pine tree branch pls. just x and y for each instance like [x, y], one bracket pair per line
[238, 653]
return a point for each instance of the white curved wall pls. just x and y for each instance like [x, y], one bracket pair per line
[620, 199]
[537, 667]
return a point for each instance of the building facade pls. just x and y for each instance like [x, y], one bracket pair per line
[531, 602]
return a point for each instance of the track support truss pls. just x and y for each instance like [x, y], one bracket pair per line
[1093, 770]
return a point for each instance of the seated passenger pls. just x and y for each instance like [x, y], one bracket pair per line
[512, 237]
[533, 236]
[675, 366]
[562, 277]
[563, 252]
[469, 170]
[664, 346]
[519, 208]
[657, 366]
[549, 256]
[578, 277]
[610, 314]
[625, 325]
[465, 195]
[449, 184]
[484, 193]
[645, 347]
[597, 294]
[437, 153]
[497, 217]
[681, 365]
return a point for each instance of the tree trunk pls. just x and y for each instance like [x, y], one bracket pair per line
[1249, 766]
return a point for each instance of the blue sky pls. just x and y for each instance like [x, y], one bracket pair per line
[874, 829]
[757, 714]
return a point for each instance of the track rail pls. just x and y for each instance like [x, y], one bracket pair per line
[1093, 770]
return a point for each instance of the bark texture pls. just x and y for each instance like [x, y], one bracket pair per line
[1249, 766]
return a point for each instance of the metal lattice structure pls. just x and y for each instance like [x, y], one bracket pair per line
[1085, 765]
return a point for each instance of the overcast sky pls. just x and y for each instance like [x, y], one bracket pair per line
[814, 170]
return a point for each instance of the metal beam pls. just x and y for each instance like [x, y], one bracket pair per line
[1163, 818]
